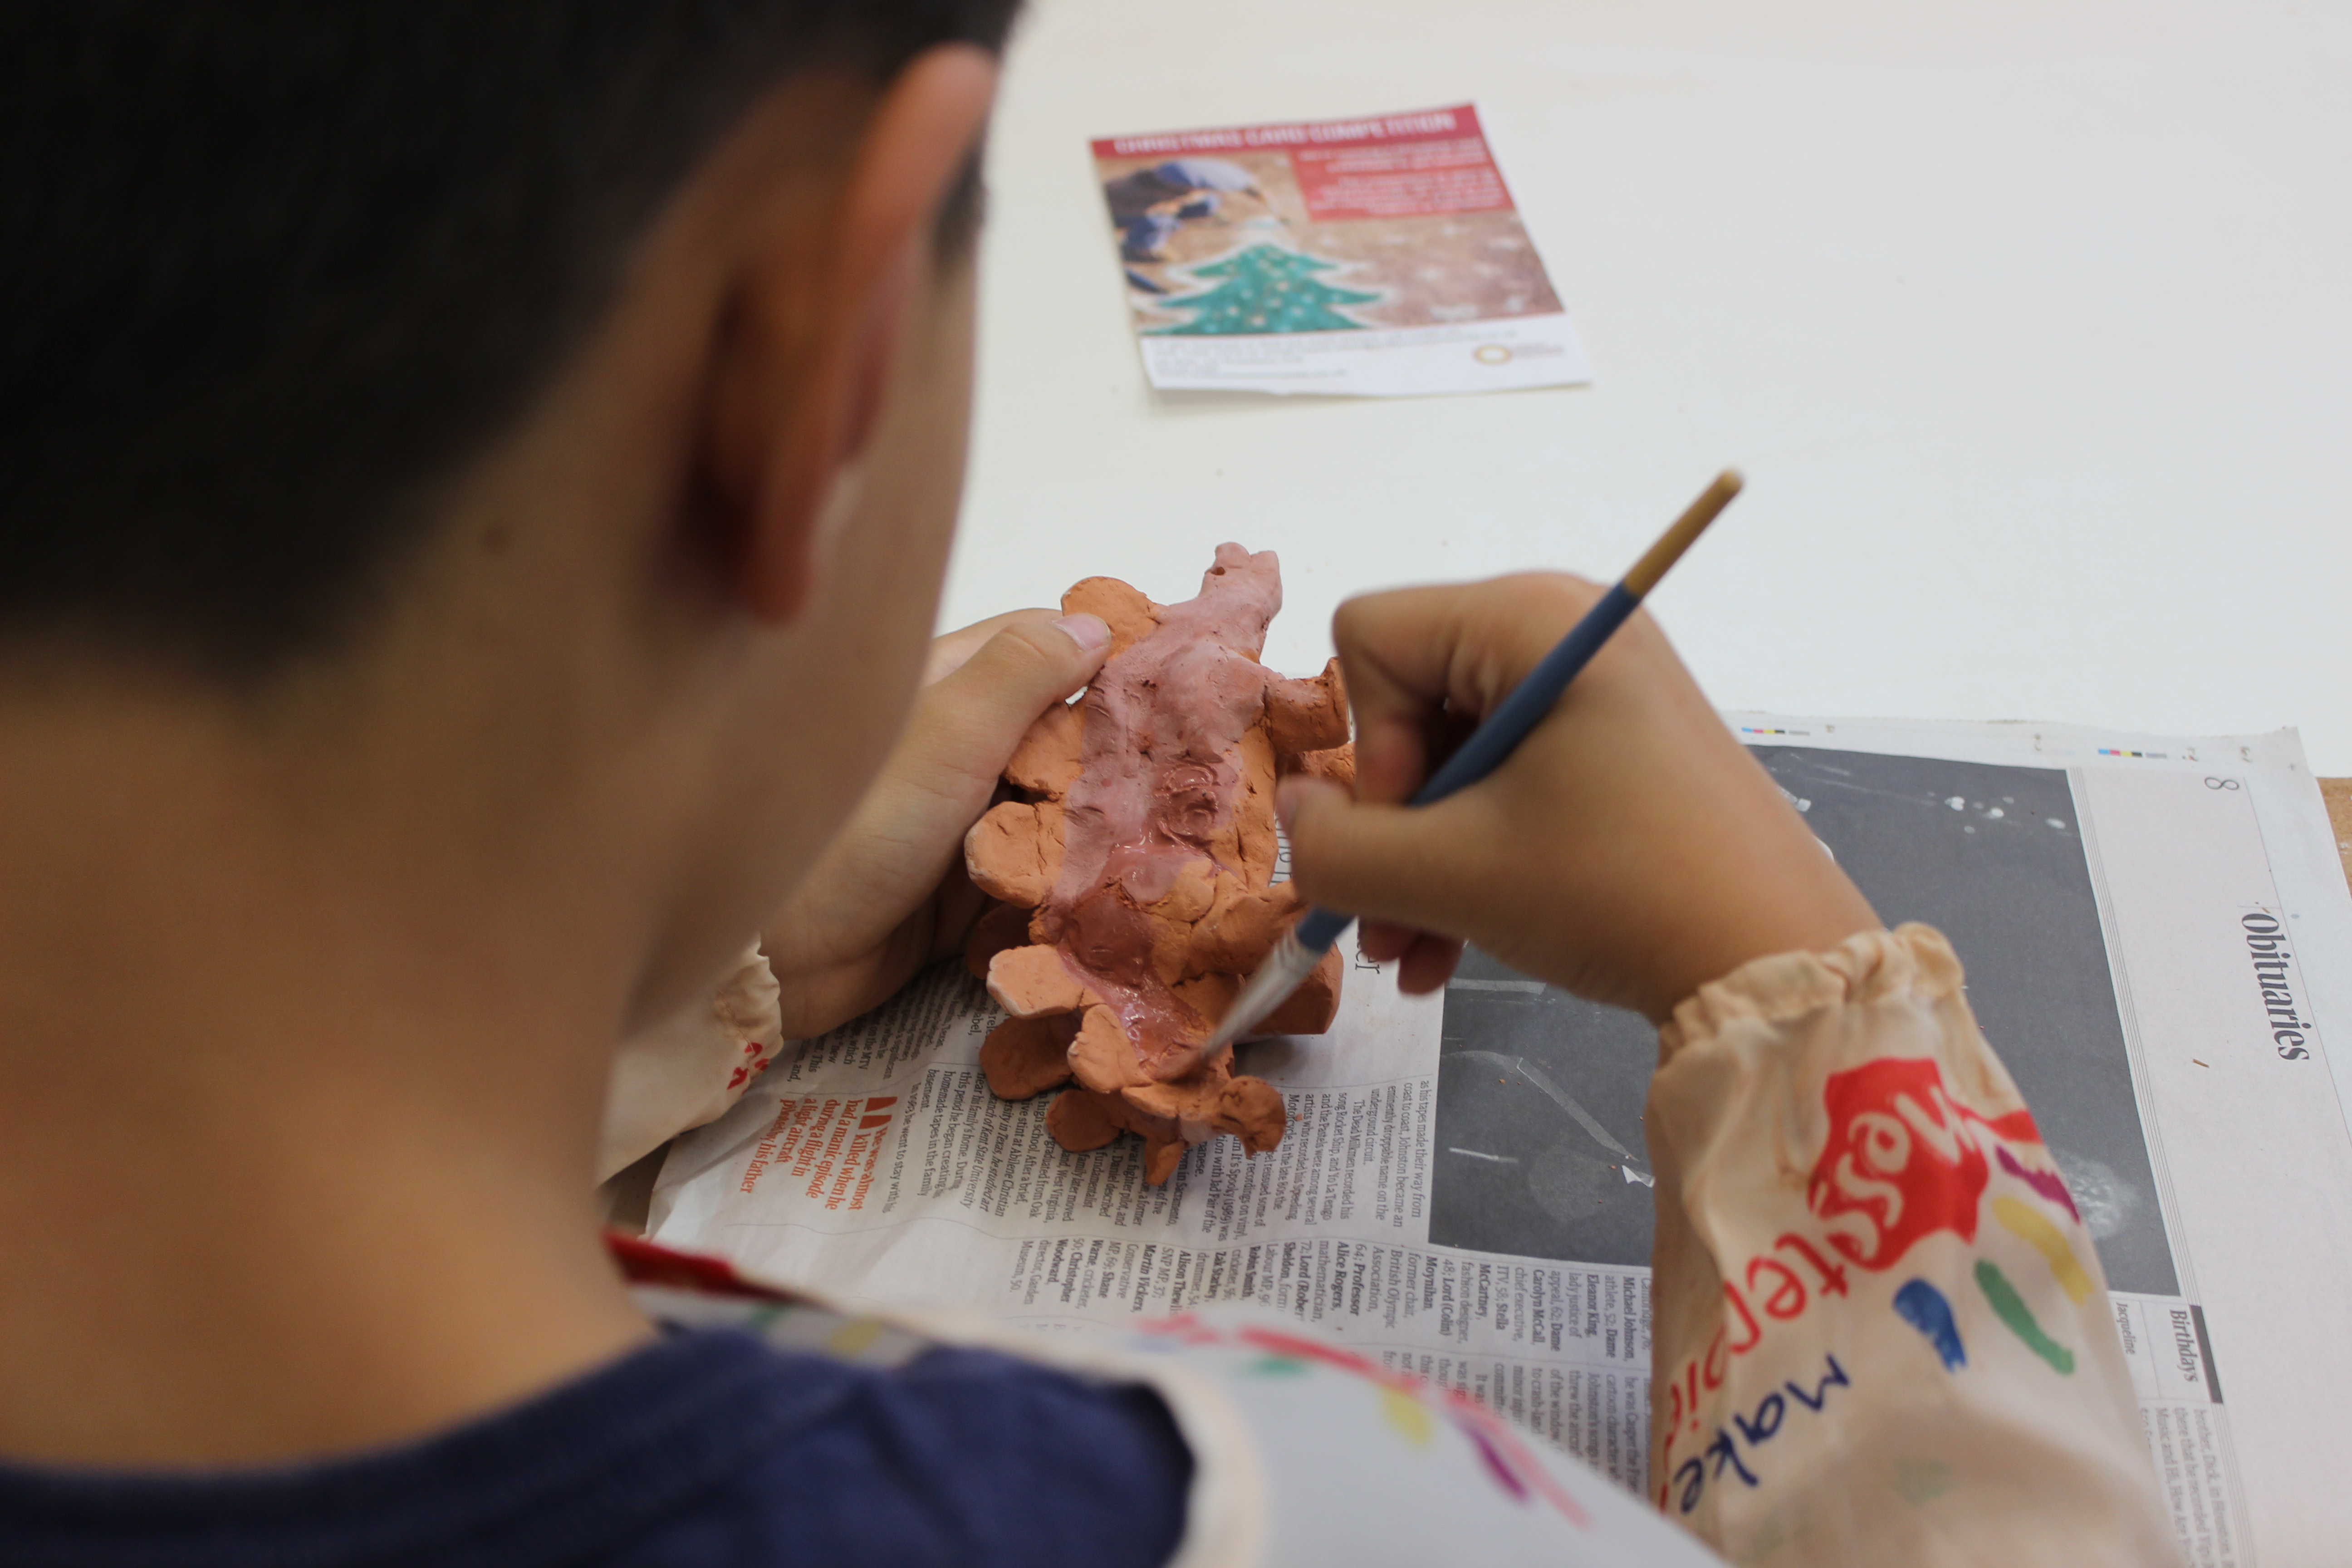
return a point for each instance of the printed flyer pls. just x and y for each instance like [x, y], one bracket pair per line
[1370, 257]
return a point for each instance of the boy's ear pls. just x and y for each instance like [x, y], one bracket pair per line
[807, 350]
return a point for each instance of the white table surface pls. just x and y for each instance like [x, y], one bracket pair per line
[2030, 322]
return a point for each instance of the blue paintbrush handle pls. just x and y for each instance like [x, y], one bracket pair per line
[1491, 745]
[1320, 928]
[1488, 747]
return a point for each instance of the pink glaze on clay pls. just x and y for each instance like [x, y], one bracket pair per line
[1144, 849]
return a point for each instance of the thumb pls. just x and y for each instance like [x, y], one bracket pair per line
[969, 721]
[908, 829]
[1375, 861]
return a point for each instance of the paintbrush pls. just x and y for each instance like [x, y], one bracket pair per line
[1489, 746]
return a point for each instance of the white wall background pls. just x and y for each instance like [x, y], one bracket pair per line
[2031, 323]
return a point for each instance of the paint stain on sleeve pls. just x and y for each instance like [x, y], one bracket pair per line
[1923, 1307]
[2011, 1309]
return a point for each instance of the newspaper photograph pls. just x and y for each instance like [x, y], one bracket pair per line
[1462, 1189]
[1380, 257]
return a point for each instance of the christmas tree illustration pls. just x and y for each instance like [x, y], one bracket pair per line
[1267, 289]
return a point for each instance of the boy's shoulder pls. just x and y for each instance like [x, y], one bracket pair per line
[709, 1447]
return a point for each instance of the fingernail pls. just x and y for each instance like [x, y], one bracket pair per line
[1089, 632]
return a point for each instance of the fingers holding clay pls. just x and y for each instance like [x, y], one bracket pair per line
[886, 898]
[987, 705]
[1144, 845]
[1131, 616]
[969, 723]
[951, 650]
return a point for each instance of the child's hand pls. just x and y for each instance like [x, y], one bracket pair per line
[891, 894]
[1630, 850]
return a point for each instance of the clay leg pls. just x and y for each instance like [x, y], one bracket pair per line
[1251, 1109]
[1307, 715]
[1172, 1117]
[1081, 1120]
[1309, 1009]
[1338, 764]
[1161, 1158]
[1026, 1057]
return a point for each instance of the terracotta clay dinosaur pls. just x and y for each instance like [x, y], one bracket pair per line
[1134, 869]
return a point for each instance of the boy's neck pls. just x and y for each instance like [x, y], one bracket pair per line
[294, 1136]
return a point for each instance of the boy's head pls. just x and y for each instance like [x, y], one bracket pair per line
[513, 442]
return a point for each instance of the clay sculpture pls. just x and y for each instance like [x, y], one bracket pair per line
[1135, 865]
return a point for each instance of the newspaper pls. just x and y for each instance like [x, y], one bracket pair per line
[1377, 257]
[2155, 933]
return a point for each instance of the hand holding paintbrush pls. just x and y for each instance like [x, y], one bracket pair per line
[1615, 839]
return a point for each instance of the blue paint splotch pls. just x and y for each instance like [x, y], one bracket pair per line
[1923, 1307]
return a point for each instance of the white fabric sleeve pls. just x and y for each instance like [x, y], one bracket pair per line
[1881, 1331]
[689, 1071]
[1305, 1454]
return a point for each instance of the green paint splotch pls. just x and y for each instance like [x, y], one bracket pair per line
[2011, 1308]
[1918, 1481]
[1267, 289]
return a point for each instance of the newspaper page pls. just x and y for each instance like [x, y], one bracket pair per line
[1380, 257]
[2155, 933]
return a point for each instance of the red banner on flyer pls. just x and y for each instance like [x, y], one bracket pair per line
[1422, 164]
[1410, 179]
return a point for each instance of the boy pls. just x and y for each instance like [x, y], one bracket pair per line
[476, 479]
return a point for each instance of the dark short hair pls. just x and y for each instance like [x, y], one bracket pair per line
[272, 272]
